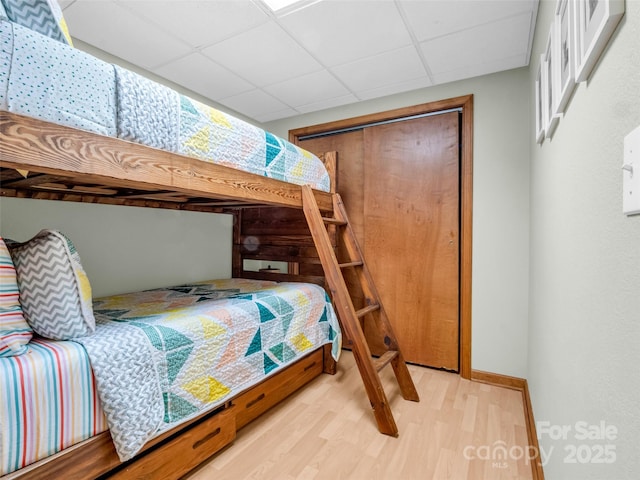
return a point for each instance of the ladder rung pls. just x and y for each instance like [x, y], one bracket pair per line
[384, 359]
[333, 221]
[371, 308]
[351, 264]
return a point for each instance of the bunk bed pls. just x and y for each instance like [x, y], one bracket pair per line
[170, 157]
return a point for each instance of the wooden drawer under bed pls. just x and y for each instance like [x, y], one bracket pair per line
[185, 451]
[255, 401]
[174, 453]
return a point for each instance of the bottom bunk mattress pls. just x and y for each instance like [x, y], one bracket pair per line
[48, 402]
[164, 356]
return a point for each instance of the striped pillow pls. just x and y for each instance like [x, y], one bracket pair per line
[55, 293]
[15, 332]
[42, 16]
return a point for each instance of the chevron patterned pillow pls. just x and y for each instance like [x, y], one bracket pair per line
[15, 332]
[42, 16]
[55, 293]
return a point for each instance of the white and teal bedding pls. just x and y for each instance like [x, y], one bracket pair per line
[196, 346]
[47, 79]
[193, 347]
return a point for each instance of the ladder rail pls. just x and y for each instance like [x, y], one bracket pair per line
[349, 317]
[344, 306]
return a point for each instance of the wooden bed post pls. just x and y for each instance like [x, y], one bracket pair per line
[236, 257]
[280, 234]
[330, 160]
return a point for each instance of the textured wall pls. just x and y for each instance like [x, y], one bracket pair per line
[584, 326]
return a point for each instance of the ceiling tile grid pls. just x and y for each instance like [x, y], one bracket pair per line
[268, 65]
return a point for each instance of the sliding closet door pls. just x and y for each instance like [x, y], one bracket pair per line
[411, 218]
[400, 185]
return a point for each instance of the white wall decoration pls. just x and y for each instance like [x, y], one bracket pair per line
[540, 100]
[565, 26]
[549, 83]
[596, 22]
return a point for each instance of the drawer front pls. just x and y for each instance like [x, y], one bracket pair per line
[180, 455]
[265, 395]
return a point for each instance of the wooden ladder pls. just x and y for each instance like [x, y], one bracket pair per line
[350, 318]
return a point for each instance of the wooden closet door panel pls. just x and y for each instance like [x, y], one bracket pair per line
[350, 148]
[411, 220]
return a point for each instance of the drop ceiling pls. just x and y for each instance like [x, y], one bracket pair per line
[268, 66]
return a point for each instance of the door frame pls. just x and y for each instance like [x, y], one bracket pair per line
[465, 104]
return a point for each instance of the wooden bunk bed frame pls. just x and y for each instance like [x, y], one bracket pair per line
[73, 165]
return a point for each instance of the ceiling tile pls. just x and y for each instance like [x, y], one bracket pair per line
[112, 28]
[341, 32]
[264, 55]
[198, 73]
[401, 86]
[268, 117]
[329, 103]
[330, 53]
[432, 19]
[254, 103]
[470, 71]
[199, 22]
[311, 88]
[480, 45]
[381, 70]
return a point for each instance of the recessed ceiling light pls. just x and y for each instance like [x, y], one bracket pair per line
[276, 5]
[288, 6]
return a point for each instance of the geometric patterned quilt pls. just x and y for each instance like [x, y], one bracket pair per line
[155, 115]
[212, 135]
[207, 342]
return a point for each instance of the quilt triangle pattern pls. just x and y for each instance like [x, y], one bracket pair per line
[206, 389]
[273, 148]
[175, 361]
[269, 365]
[176, 407]
[278, 305]
[199, 141]
[283, 352]
[256, 344]
[265, 314]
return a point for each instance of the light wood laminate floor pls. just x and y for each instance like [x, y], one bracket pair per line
[459, 430]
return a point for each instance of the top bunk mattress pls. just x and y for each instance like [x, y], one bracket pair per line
[49, 80]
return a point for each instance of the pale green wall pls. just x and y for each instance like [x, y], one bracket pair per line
[584, 317]
[500, 206]
[126, 249]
